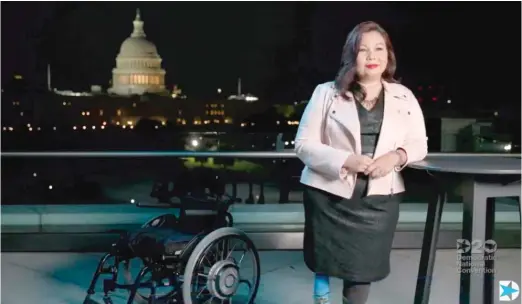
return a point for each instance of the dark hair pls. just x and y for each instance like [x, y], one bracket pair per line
[346, 79]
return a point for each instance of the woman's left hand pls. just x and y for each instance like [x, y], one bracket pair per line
[383, 165]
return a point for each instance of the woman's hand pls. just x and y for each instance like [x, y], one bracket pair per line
[357, 163]
[383, 165]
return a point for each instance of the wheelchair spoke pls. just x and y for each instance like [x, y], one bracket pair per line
[209, 262]
[231, 250]
[241, 259]
[223, 250]
[200, 293]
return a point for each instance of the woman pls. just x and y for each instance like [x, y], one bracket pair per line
[355, 136]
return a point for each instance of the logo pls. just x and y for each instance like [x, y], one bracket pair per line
[471, 255]
[490, 246]
[463, 246]
[508, 291]
[476, 246]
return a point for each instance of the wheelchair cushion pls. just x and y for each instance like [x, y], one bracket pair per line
[154, 242]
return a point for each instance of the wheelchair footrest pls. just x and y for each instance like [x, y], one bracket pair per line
[109, 285]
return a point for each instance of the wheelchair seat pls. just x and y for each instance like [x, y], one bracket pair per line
[153, 242]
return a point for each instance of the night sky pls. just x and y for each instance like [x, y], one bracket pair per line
[280, 50]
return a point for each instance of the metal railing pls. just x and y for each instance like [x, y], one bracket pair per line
[265, 176]
[241, 154]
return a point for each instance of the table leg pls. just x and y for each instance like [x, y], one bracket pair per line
[472, 278]
[489, 253]
[429, 247]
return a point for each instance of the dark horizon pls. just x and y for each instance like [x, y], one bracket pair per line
[280, 50]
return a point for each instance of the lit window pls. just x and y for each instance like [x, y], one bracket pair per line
[123, 79]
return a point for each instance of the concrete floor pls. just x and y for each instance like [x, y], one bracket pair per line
[62, 278]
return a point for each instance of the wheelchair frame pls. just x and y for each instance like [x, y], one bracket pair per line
[223, 278]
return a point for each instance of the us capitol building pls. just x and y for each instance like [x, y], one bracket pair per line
[138, 65]
[137, 90]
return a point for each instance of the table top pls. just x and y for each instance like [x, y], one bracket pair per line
[492, 165]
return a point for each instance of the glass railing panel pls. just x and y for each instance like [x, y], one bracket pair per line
[120, 177]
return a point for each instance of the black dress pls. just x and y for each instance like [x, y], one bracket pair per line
[351, 239]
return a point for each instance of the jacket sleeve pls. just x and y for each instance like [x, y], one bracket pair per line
[309, 146]
[416, 142]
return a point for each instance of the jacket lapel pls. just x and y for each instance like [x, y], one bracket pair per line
[344, 112]
[390, 121]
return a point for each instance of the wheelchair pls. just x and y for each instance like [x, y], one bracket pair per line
[192, 254]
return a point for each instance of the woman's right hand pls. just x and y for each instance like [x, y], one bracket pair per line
[357, 163]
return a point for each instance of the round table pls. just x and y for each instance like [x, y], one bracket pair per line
[495, 165]
[482, 178]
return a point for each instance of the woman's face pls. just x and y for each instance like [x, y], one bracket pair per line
[372, 58]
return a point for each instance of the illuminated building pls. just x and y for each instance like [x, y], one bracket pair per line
[138, 65]
[138, 92]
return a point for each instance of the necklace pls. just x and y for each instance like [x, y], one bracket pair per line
[369, 104]
[371, 85]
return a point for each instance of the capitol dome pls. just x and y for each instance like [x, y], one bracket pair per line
[138, 47]
[138, 65]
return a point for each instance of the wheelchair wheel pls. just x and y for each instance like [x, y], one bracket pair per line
[215, 270]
